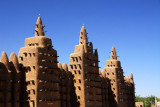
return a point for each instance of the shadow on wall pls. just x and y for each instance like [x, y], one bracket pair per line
[75, 102]
[112, 101]
[23, 92]
[13, 85]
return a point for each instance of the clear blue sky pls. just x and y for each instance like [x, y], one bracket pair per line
[132, 26]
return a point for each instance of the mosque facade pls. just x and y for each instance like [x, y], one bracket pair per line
[36, 79]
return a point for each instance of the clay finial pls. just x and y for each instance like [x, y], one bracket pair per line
[113, 54]
[39, 27]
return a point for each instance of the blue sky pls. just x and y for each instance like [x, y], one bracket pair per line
[132, 26]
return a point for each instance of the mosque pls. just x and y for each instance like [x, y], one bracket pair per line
[36, 79]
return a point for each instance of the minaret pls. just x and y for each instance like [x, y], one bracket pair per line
[83, 64]
[115, 74]
[42, 75]
[122, 88]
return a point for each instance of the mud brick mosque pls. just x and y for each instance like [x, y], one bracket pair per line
[36, 79]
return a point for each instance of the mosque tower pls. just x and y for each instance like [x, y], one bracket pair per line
[114, 72]
[83, 64]
[42, 74]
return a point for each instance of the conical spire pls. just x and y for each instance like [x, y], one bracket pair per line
[83, 29]
[83, 35]
[113, 54]
[39, 27]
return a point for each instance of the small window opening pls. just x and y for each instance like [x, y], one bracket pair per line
[79, 72]
[33, 82]
[75, 72]
[29, 68]
[78, 97]
[37, 44]
[30, 54]
[25, 54]
[71, 66]
[79, 58]
[33, 91]
[81, 33]
[73, 58]
[79, 66]
[34, 67]
[76, 59]
[79, 81]
[79, 87]
[21, 58]
[28, 82]
[34, 54]
[75, 66]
